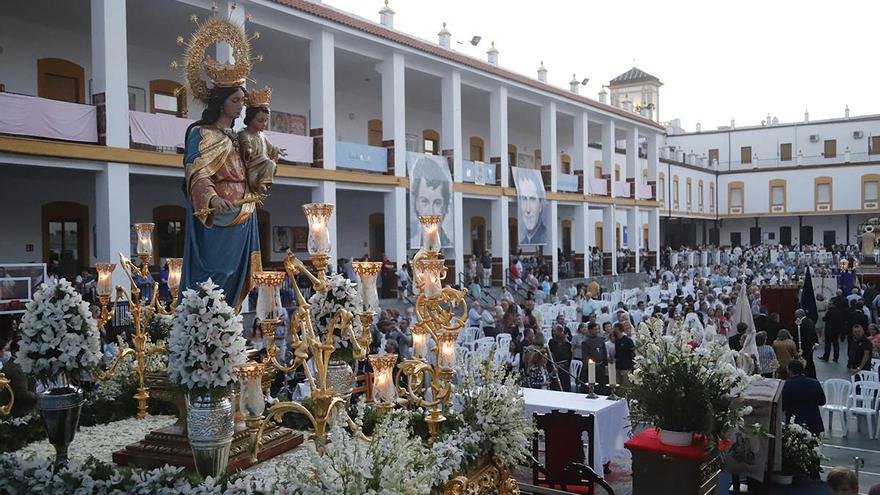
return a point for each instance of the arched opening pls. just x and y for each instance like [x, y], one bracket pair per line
[597, 169]
[374, 132]
[538, 159]
[478, 235]
[511, 155]
[566, 238]
[477, 149]
[377, 236]
[431, 141]
[59, 79]
[66, 236]
[565, 163]
[166, 97]
[617, 241]
[645, 237]
[513, 235]
[169, 232]
[599, 239]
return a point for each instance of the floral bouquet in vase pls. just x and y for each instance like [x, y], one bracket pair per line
[204, 347]
[59, 346]
[801, 452]
[342, 294]
[682, 389]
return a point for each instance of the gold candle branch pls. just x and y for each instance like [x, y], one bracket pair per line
[6, 384]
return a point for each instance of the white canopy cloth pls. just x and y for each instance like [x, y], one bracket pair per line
[611, 418]
[743, 313]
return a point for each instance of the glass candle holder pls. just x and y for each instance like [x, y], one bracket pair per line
[251, 402]
[384, 390]
[104, 285]
[268, 284]
[430, 274]
[318, 215]
[368, 271]
[431, 232]
[446, 349]
[145, 238]
[420, 341]
[175, 267]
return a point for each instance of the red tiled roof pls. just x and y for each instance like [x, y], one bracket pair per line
[325, 12]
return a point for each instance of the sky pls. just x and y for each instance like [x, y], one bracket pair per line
[743, 59]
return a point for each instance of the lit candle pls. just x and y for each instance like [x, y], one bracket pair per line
[318, 215]
[612, 374]
[430, 273]
[145, 238]
[105, 272]
[431, 232]
[251, 402]
[383, 377]
[367, 271]
[591, 371]
[175, 265]
[420, 341]
[446, 356]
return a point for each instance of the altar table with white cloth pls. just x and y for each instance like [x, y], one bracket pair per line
[611, 419]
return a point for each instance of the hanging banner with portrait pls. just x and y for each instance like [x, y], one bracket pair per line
[430, 193]
[531, 204]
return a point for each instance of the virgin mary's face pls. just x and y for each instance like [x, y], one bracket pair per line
[233, 104]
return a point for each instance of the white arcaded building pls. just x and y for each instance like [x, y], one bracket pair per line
[807, 182]
[90, 130]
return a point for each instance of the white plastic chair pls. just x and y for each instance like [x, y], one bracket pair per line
[837, 399]
[485, 341]
[503, 340]
[574, 369]
[865, 403]
[466, 336]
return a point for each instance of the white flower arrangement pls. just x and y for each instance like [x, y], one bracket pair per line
[59, 336]
[341, 293]
[679, 387]
[801, 452]
[206, 340]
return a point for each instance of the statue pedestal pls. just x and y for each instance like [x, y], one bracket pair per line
[170, 445]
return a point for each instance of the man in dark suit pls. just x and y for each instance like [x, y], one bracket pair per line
[801, 398]
[806, 338]
[762, 321]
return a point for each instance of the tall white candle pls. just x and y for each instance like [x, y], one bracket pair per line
[591, 371]
[612, 374]
[320, 238]
[266, 309]
[432, 238]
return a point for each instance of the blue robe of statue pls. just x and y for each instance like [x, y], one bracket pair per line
[222, 246]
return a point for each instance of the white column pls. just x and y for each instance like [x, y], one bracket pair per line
[451, 141]
[609, 234]
[110, 67]
[395, 226]
[498, 134]
[582, 217]
[548, 142]
[581, 142]
[322, 94]
[325, 192]
[393, 71]
[653, 155]
[608, 147]
[632, 159]
[110, 77]
[554, 237]
[634, 233]
[654, 232]
[500, 232]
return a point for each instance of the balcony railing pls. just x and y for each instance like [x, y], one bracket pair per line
[599, 187]
[33, 116]
[361, 157]
[567, 182]
[478, 172]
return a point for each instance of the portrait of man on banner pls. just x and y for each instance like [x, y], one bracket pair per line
[531, 200]
[430, 193]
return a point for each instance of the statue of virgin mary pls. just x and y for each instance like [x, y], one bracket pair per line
[222, 239]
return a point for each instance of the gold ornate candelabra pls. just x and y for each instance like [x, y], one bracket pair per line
[138, 308]
[306, 342]
[6, 384]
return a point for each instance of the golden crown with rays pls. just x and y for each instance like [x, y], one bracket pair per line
[222, 74]
[259, 97]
